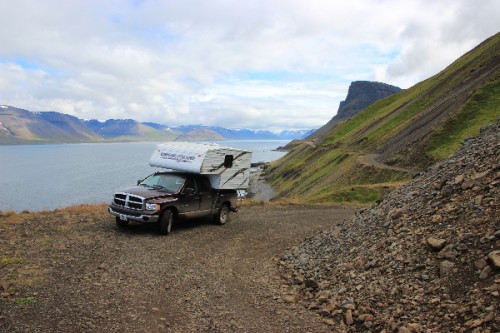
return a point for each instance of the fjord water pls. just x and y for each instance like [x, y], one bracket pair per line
[46, 177]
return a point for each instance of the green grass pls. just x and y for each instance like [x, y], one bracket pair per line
[483, 108]
[396, 123]
[12, 261]
[25, 300]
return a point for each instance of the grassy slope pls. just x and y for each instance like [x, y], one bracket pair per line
[333, 170]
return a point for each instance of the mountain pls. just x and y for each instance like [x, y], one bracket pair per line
[200, 134]
[22, 126]
[360, 95]
[18, 126]
[130, 130]
[247, 134]
[385, 144]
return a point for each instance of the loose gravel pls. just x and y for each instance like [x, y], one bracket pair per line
[74, 270]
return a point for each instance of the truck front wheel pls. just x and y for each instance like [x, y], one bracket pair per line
[165, 222]
[222, 216]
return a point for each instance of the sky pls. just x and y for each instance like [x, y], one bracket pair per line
[257, 64]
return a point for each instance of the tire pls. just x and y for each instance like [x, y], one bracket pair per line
[121, 223]
[222, 216]
[165, 222]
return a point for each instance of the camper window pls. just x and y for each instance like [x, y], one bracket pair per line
[228, 161]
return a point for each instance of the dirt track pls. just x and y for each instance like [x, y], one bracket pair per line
[80, 273]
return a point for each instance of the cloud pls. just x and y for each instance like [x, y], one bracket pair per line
[258, 64]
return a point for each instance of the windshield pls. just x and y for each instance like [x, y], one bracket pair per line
[167, 182]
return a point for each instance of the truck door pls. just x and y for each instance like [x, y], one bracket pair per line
[206, 195]
[190, 201]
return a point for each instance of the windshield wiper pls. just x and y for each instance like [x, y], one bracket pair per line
[159, 187]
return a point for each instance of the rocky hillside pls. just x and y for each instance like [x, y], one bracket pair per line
[380, 147]
[425, 259]
[360, 95]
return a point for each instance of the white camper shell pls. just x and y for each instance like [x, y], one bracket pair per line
[227, 168]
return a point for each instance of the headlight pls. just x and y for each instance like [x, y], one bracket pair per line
[150, 206]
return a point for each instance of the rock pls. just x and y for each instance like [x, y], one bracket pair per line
[437, 218]
[436, 243]
[290, 298]
[478, 200]
[445, 268]
[324, 313]
[329, 322]
[348, 317]
[447, 190]
[459, 179]
[4, 285]
[494, 257]
[467, 184]
[489, 317]
[310, 283]
[414, 328]
[485, 272]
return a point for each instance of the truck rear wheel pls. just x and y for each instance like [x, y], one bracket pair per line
[165, 222]
[222, 216]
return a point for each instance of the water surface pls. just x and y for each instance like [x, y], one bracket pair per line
[45, 177]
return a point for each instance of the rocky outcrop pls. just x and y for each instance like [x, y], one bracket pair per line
[425, 259]
[360, 95]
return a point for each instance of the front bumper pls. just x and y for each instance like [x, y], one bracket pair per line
[133, 216]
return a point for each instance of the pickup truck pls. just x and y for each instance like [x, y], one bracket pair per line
[166, 197]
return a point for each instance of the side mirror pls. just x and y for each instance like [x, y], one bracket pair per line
[139, 181]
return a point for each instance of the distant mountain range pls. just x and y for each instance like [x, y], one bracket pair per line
[18, 126]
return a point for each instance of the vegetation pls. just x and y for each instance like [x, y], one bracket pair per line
[12, 261]
[25, 300]
[482, 108]
[409, 130]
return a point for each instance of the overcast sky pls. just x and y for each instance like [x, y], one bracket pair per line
[260, 64]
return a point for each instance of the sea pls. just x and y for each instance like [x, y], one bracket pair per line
[47, 177]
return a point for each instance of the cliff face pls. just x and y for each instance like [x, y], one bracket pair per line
[360, 95]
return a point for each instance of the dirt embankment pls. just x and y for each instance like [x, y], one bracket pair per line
[75, 271]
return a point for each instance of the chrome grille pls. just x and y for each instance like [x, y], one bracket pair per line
[128, 201]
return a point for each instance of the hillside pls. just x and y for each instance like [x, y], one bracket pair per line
[21, 126]
[425, 259]
[200, 134]
[129, 130]
[361, 159]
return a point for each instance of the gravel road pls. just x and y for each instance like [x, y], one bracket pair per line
[75, 271]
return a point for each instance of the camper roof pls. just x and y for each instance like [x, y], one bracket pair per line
[199, 147]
